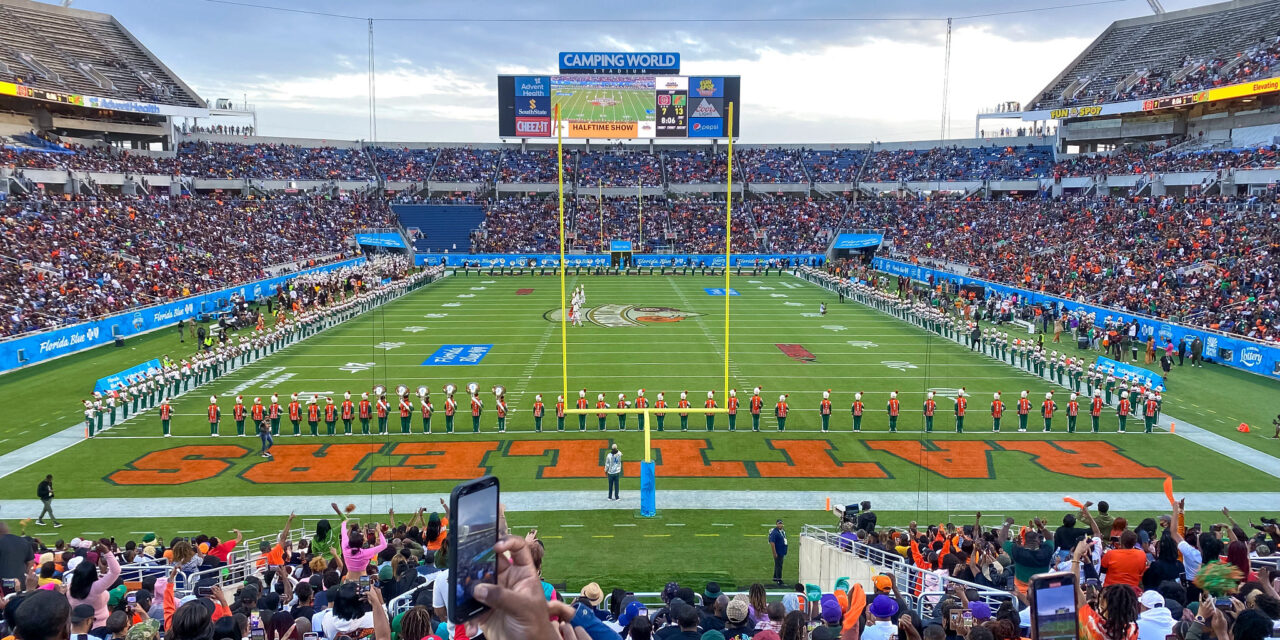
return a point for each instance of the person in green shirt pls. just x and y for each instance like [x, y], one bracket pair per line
[326, 540]
[1032, 555]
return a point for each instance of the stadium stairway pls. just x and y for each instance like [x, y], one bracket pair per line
[445, 227]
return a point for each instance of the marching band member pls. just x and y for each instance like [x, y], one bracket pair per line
[962, 404]
[622, 417]
[348, 412]
[1122, 410]
[930, 406]
[732, 406]
[406, 413]
[295, 414]
[824, 410]
[582, 404]
[780, 412]
[601, 404]
[365, 411]
[313, 416]
[710, 403]
[450, 408]
[560, 413]
[1048, 407]
[658, 414]
[215, 414]
[894, 408]
[424, 402]
[1152, 409]
[1095, 408]
[330, 416]
[538, 410]
[500, 407]
[641, 403]
[383, 409]
[273, 412]
[756, 404]
[166, 414]
[477, 407]
[259, 414]
[997, 411]
[1024, 409]
[1073, 410]
[237, 414]
[684, 415]
[856, 409]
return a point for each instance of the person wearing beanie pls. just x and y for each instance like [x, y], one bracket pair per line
[856, 409]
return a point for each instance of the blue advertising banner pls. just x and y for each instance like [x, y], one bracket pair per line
[126, 377]
[857, 240]
[1121, 369]
[571, 61]
[527, 86]
[533, 106]
[720, 292]
[1240, 353]
[60, 342]
[706, 127]
[392, 240]
[619, 245]
[488, 260]
[457, 355]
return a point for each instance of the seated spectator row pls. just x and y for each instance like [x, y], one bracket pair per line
[75, 259]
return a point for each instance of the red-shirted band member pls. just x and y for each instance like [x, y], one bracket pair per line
[962, 405]
[406, 414]
[710, 403]
[1073, 410]
[894, 409]
[383, 409]
[477, 407]
[365, 409]
[450, 408]
[683, 404]
[1152, 409]
[560, 413]
[623, 403]
[273, 414]
[1123, 411]
[330, 416]
[930, 407]
[500, 407]
[824, 409]
[997, 411]
[601, 404]
[313, 416]
[215, 414]
[756, 404]
[538, 410]
[259, 414]
[857, 408]
[659, 415]
[732, 406]
[295, 414]
[348, 412]
[641, 403]
[780, 411]
[424, 402]
[1047, 409]
[166, 414]
[237, 414]
[582, 404]
[1024, 410]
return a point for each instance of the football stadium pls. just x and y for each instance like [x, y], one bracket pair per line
[1019, 382]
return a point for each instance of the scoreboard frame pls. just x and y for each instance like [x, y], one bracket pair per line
[683, 107]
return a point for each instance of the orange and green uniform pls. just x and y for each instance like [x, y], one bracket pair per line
[501, 408]
[273, 414]
[1047, 409]
[365, 409]
[711, 417]
[237, 413]
[295, 416]
[1122, 412]
[756, 405]
[1073, 410]
[406, 415]
[166, 414]
[313, 418]
[641, 403]
[538, 410]
[824, 410]
[733, 412]
[997, 411]
[330, 418]
[1024, 409]
[894, 409]
[348, 414]
[215, 414]
[929, 408]
[856, 409]
[622, 417]
[684, 415]
[476, 410]
[962, 404]
[1153, 408]
[450, 408]
[601, 404]
[1095, 412]
[259, 414]
[560, 415]
[383, 410]
[427, 410]
[780, 412]
[660, 415]
[582, 417]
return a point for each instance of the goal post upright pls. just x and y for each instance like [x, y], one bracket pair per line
[728, 239]
[564, 338]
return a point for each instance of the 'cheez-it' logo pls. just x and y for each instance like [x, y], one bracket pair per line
[533, 127]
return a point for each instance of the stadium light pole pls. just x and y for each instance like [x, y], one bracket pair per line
[728, 240]
[564, 341]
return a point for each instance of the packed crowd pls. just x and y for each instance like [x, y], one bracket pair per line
[271, 161]
[75, 259]
[403, 164]
[627, 168]
[618, 168]
[1205, 261]
[344, 577]
[768, 165]
[1149, 159]
[960, 163]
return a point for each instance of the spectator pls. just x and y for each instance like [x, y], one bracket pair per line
[43, 615]
[88, 587]
[16, 557]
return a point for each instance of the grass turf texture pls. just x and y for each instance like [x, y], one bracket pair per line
[615, 105]
[389, 345]
[583, 547]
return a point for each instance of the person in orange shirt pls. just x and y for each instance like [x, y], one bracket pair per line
[383, 409]
[684, 415]
[237, 414]
[756, 404]
[658, 414]
[450, 408]
[1024, 409]
[313, 416]
[732, 406]
[641, 403]
[1048, 407]
[622, 417]
[166, 414]
[1126, 564]
[780, 412]
[215, 414]
[365, 411]
[424, 401]
[259, 414]
[348, 412]
[824, 410]
[930, 406]
[273, 413]
[962, 404]
[710, 404]
[582, 404]
[560, 413]
[894, 408]
[295, 414]
[856, 409]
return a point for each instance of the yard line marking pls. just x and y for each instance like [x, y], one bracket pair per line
[706, 535]
[675, 524]
[720, 524]
[552, 537]
[604, 536]
[657, 535]
[754, 535]
[577, 526]
[94, 533]
[625, 525]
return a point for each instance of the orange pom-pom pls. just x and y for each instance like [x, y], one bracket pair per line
[350, 508]
[1073, 502]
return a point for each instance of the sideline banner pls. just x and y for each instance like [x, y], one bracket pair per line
[1240, 353]
[391, 240]
[127, 377]
[1147, 378]
[526, 260]
[60, 342]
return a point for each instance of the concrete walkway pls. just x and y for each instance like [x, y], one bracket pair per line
[406, 503]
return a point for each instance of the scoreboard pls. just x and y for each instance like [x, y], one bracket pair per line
[615, 106]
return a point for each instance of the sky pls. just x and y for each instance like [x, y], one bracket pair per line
[812, 72]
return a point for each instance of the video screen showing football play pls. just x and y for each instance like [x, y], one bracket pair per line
[840, 372]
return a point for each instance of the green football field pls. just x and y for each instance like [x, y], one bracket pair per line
[604, 105]
[659, 333]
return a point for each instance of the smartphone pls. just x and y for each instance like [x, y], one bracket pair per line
[310, 635]
[362, 587]
[204, 591]
[966, 619]
[1053, 606]
[258, 634]
[473, 531]
[132, 598]
[953, 619]
[1223, 603]
[10, 585]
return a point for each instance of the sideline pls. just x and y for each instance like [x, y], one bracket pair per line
[405, 503]
[1263, 462]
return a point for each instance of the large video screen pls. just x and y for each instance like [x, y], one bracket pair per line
[618, 106]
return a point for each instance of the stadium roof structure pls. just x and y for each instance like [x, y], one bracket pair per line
[1170, 45]
[83, 53]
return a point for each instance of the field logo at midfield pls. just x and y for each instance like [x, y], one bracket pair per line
[457, 354]
[900, 365]
[627, 315]
[797, 352]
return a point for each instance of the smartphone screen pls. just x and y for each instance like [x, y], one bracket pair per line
[1053, 607]
[473, 531]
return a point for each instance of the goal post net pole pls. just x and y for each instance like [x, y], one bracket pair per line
[728, 238]
[564, 334]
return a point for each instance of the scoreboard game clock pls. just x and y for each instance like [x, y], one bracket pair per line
[672, 100]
